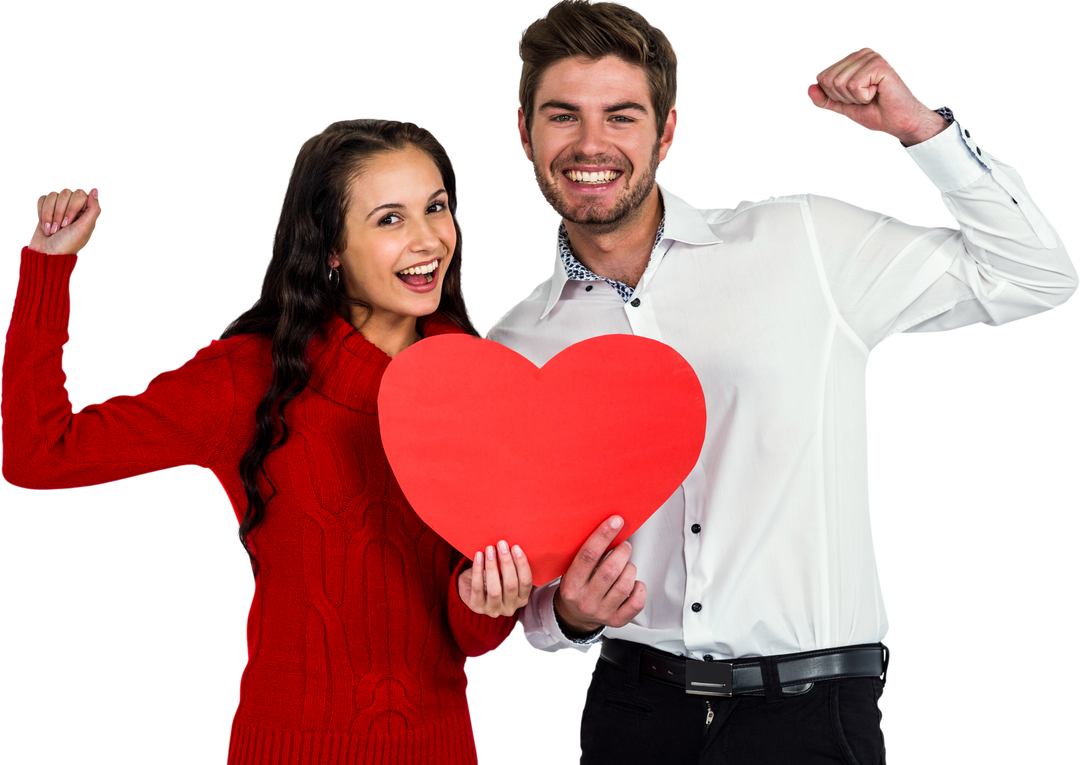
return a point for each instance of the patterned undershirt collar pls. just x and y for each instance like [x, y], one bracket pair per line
[576, 270]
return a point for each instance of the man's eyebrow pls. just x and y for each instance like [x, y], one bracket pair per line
[399, 206]
[626, 105]
[619, 107]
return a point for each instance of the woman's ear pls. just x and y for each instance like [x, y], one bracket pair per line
[333, 261]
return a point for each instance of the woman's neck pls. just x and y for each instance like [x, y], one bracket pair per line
[390, 333]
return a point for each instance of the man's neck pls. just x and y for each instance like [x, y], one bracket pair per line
[620, 253]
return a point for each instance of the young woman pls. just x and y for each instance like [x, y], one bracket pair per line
[362, 616]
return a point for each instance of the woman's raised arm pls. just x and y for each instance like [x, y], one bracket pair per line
[181, 418]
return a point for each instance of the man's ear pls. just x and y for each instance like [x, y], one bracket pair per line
[668, 135]
[523, 133]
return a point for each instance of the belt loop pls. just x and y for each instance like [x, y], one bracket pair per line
[633, 664]
[770, 677]
[885, 663]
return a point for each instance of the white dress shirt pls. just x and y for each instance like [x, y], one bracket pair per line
[766, 547]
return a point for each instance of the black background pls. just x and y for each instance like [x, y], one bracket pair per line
[127, 602]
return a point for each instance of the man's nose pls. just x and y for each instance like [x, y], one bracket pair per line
[592, 138]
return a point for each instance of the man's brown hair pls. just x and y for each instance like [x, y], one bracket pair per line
[579, 28]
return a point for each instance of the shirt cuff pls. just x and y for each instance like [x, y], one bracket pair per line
[954, 159]
[951, 159]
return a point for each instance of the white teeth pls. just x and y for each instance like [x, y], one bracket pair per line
[424, 269]
[600, 176]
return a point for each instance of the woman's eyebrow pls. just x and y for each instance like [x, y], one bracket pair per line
[399, 206]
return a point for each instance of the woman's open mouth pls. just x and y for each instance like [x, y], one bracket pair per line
[420, 275]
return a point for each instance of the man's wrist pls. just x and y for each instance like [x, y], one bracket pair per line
[933, 122]
[573, 632]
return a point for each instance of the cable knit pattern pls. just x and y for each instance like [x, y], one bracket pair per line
[357, 638]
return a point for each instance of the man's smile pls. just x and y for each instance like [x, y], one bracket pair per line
[592, 177]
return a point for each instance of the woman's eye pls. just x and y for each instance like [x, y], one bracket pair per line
[437, 207]
[390, 219]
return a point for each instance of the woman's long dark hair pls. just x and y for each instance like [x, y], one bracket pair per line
[297, 297]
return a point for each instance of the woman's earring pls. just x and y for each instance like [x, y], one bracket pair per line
[334, 278]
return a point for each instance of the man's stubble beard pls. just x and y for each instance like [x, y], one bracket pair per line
[601, 221]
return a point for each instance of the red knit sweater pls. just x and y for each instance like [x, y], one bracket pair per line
[357, 637]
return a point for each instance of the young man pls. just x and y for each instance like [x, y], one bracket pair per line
[759, 638]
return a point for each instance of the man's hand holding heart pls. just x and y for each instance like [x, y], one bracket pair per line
[598, 591]
[864, 88]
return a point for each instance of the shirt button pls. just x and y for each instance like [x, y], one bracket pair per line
[708, 657]
[696, 607]
[696, 528]
[635, 302]
[589, 288]
[967, 133]
[978, 151]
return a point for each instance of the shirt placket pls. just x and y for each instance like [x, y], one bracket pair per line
[578, 271]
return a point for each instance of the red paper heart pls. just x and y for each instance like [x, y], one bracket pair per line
[486, 446]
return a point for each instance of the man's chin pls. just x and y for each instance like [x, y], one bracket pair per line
[590, 214]
[586, 214]
[599, 226]
[594, 216]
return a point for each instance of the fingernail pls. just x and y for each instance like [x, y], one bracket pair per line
[54, 228]
[503, 547]
[93, 193]
[479, 560]
[490, 552]
[63, 223]
[45, 228]
[616, 522]
[517, 551]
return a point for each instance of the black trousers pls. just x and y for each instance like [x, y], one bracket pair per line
[630, 719]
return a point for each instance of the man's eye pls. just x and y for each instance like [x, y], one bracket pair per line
[562, 118]
[622, 118]
[390, 219]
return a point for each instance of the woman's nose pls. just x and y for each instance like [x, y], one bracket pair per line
[424, 236]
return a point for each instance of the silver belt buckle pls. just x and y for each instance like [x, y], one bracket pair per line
[709, 678]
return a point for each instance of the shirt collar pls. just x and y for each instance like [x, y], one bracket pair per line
[680, 223]
[578, 271]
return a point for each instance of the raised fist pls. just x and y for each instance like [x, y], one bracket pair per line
[65, 220]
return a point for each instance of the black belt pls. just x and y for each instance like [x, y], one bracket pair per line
[744, 676]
